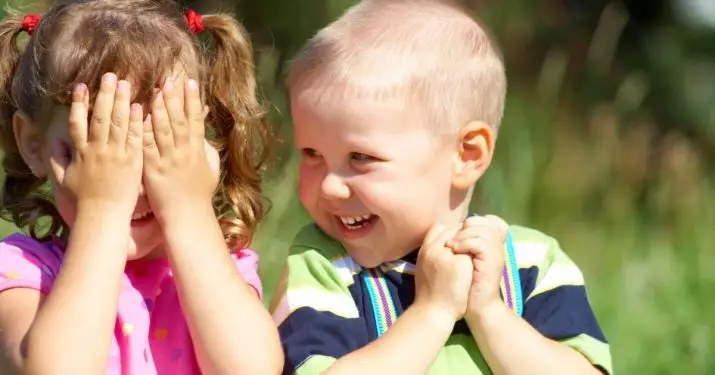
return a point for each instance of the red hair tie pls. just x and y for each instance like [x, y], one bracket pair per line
[29, 23]
[193, 19]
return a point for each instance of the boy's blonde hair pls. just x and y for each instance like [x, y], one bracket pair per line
[430, 54]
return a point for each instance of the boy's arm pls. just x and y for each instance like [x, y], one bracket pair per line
[409, 346]
[322, 332]
[511, 346]
[558, 334]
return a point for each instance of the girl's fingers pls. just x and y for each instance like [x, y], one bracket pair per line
[120, 114]
[195, 112]
[79, 112]
[161, 125]
[102, 110]
[151, 151]
[135, 129]
[175, 111]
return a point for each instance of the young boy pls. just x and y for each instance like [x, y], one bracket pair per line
[396, 107]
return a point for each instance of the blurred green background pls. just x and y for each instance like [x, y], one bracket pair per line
[609, 124]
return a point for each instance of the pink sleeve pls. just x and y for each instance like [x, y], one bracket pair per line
[247, 263]
[26, 263]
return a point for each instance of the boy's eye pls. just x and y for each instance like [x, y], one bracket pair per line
[358, 156]
[310, 153]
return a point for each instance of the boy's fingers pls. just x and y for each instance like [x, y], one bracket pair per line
[490, 222]
[498, 222]
[475, 246]
[433, 233]
[486, 231]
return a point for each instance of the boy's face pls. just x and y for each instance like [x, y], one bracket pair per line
[372, 175]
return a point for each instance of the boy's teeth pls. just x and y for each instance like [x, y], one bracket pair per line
[355, 220]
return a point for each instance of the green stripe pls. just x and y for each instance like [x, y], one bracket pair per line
[316, 364]
[597, 352]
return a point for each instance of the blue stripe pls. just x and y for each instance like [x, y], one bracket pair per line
[562, 313]
[307, 332]
[511, 255]
[374, 300]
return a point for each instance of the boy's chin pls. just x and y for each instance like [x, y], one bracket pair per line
[369, 259]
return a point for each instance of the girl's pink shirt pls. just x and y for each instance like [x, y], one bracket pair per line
[150, 334]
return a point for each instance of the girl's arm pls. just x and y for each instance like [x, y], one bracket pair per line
[70, 330]
[232, 332]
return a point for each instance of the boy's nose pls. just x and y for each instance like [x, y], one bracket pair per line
[333, 187]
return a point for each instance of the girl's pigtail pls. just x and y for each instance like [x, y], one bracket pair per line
[22, 201]
[242, 134]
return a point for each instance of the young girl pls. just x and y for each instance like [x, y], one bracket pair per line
[134, 274]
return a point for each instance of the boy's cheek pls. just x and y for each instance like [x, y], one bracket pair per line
[307, 184]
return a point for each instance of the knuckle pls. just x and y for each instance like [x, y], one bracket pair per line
[496, 221]
[134, 132]
[473, 220]
[149, 142]
[180, 123]
[99, 120]
[76, 122]
[163, 131]
[119, 120]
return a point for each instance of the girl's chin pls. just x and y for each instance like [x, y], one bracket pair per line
[136, 252]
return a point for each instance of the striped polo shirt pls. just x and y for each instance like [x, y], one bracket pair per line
[326, 305]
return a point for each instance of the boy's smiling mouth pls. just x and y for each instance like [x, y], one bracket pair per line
[356, 225]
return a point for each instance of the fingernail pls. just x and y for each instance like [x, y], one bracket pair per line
[79, 88]
[109, 77]
[193, 85]
[136, 107]
[123, 87]
[168, 85]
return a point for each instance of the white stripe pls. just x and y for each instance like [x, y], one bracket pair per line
[346, 268]
[400, 266]
[529, 254]
[337, 303]
[558, 275]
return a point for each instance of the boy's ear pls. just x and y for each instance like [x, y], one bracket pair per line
[28, 138]
[476, 147]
